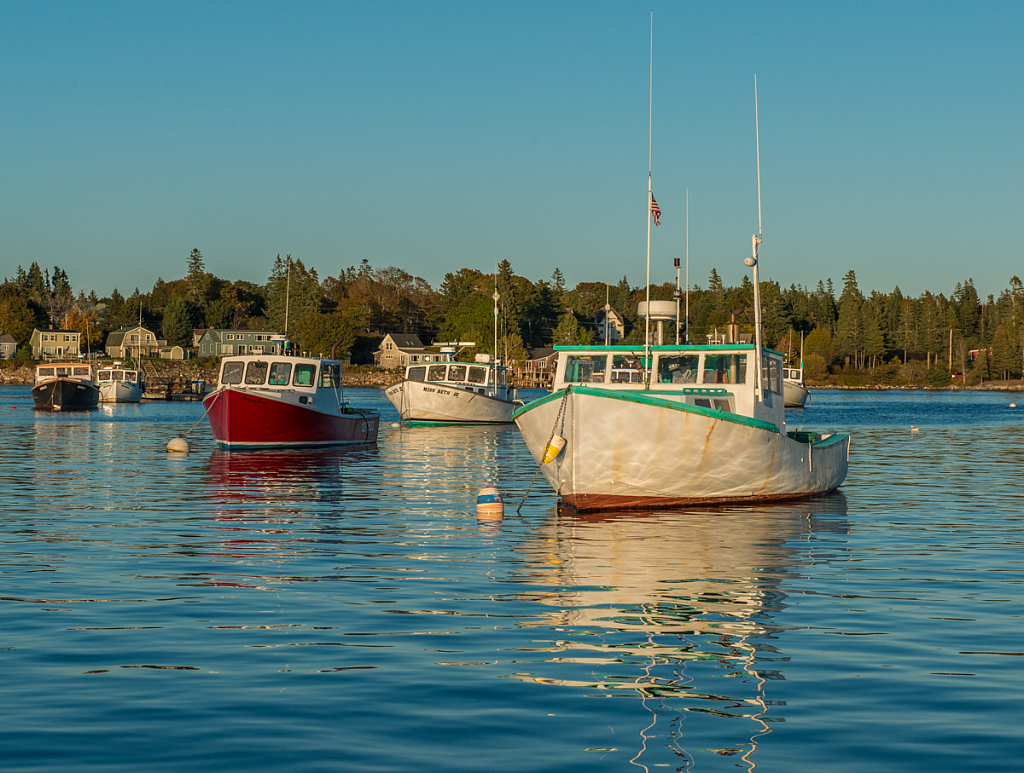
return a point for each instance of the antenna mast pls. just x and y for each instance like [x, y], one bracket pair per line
[650, 214]
[752, 262]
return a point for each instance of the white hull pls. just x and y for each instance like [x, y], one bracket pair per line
[795, 395]
[119, 392]
[421, 401]
[632, 450]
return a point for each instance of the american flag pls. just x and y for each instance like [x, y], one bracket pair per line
[655, 210]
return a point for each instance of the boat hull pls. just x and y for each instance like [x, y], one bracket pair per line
[795, 395]
[120, 392]
[626, 452]
[421, 401]
[240, 419]
[65, 395]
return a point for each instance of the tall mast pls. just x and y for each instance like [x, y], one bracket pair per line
[650, 214]
[752, 262]
[287, 293]
[687, 265]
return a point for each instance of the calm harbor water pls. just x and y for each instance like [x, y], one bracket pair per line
[345, 610]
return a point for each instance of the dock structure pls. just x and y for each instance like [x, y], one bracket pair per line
[538, 372]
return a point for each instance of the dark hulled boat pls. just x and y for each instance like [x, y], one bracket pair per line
[65, 386]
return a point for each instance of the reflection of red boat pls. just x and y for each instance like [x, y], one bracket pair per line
[279, 401]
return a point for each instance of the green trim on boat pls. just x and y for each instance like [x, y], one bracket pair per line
[646, 398]
[665, 348]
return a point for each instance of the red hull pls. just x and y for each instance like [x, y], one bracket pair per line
[240, 419]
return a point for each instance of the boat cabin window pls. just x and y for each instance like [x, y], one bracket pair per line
[330, 376]
[678, 368]
[232, 373]
[304, 375]
[703, 402]
[116, 375]
[63, 371]
[774, 378]
[104, 375]
[722, 405]
[256, 373]
[44, 372]
[456, 372]
[436, 372]
[725, 369]
[477, 375]
[419, 373]
[280, 372]
[585, 368]
[81, 371]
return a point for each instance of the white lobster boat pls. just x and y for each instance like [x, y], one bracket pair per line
[682, 425]
[676, 425]
[452, 392]
[120, 385]
[793, 389]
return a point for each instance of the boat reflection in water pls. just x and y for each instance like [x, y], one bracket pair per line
[254, 483]
[675, 608]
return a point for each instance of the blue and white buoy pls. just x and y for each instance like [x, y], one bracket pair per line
[489, 504]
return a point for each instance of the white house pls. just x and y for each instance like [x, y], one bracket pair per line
[610, 324]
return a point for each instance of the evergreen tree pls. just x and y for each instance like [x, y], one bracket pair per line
[569, 332]
[197, 279]
[849, 340]
[179, 321]
[1005, 356]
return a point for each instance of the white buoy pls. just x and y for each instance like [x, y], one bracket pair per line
[178, 445]
[554, 449]
[396, 425]
[489, 505]
[1013, 405]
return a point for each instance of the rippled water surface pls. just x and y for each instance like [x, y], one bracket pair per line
[345, 610]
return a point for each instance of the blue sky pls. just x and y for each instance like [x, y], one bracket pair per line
[429, 136]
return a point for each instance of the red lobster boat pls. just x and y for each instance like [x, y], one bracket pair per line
[275, 401]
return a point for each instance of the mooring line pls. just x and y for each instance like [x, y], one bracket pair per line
[554, 426]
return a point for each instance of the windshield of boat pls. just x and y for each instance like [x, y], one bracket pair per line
[477, 375]
[585, 368]
[256, 373]
[456, 372]
[773, 370]
[419, 373]
[304, 375]
[725, 369]
[436, 372]
[678, 368]
[232, 373]
[279, 373]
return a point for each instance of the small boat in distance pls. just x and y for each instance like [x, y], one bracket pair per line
[277, 401]
[795, 393]
[120, 385]
[453, 392]
[65, 386]
[793, 389]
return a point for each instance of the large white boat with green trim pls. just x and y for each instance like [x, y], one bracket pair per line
[674, 425]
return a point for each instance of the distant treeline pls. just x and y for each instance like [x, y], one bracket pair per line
[892, 336]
